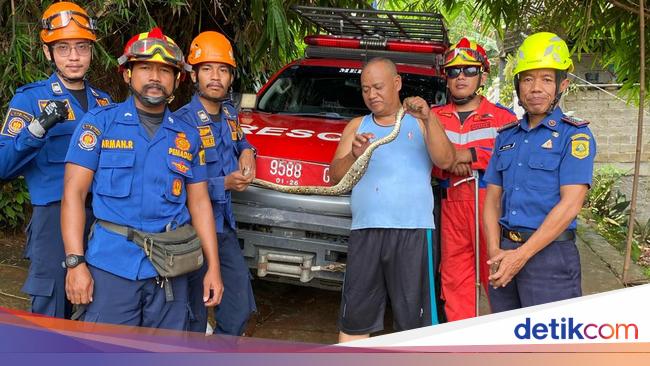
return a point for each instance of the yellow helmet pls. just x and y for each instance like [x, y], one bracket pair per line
[543, 50]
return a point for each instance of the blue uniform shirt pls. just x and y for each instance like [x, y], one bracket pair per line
[223, 142]
[41, 160]
[531, 165]
[139, 181]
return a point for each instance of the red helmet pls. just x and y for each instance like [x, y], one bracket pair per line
[153, 46]
[465, 53]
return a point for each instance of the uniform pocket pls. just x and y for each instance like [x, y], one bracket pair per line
[38, 286]
[211, 155]
[56, 145]
[544, 173]
[503, 163]
[115, 173]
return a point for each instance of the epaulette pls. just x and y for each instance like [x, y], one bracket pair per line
[507, 126]
[30, 86]
[501, 106]
[575, 121]
[98, 109]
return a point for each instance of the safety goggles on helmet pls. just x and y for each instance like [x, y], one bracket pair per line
[466, 54]
[468, 71]
[147, 48]
[63, 18]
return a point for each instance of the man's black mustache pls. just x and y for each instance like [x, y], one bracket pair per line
[154, 86]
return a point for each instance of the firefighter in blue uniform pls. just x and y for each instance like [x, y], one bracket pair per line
[34, 138]
[538, 177]
[148, 173]
[231, 166]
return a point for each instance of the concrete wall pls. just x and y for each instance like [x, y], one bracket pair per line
[614, 125]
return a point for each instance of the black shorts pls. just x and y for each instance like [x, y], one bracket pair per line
[393, 262]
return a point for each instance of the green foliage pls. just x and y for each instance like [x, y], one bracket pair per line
[265, 34]
[608, 209]
[14, 205]
[607, 28]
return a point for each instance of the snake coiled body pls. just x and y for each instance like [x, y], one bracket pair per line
[353, 175]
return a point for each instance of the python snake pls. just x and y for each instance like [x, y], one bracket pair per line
[351, 177]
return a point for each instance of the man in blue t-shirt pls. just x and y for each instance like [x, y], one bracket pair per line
[390, 245]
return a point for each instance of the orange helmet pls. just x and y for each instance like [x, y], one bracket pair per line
[152, 46]
[211, 47]
[66, 20]
[466, 53]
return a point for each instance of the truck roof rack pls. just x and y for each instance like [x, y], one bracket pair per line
[365, 23]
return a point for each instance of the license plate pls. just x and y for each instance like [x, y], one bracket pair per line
[292, 172]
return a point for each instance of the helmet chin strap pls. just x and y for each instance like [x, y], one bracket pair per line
[153, 101]
[560, 75]
[469, 98]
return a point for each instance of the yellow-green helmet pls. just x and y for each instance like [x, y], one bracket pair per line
[543, 50]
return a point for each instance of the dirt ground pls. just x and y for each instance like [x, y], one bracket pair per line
[296, 313]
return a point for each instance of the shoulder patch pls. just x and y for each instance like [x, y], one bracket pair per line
[575, 121]
[15, 121]
[507, 126]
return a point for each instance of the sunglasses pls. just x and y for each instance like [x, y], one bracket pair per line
[468, 71]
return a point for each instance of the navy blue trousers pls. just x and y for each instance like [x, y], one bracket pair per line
[237, 302]
[553, 274]
[142, 303]
[45, 281]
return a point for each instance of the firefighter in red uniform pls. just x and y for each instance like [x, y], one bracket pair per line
[471, 123]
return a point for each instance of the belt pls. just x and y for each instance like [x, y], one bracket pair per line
[117, 229]
[523, 236]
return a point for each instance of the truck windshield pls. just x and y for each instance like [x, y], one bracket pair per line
[335, 92]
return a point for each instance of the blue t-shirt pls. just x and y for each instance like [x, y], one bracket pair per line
[395, 192]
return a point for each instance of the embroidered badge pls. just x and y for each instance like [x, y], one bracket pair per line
[177, 187]
[102, 102]
[580, 136]
[548, 144]
[56, 88]
[180, 166]
[203, 116]
[87, 140]
[71, 115]
[15, 121]
[580, 148]
[181, 142]
[234, 128]
[507, 147]
[207, 138]
[202, 157]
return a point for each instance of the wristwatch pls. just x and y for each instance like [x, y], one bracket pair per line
[73, 260]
